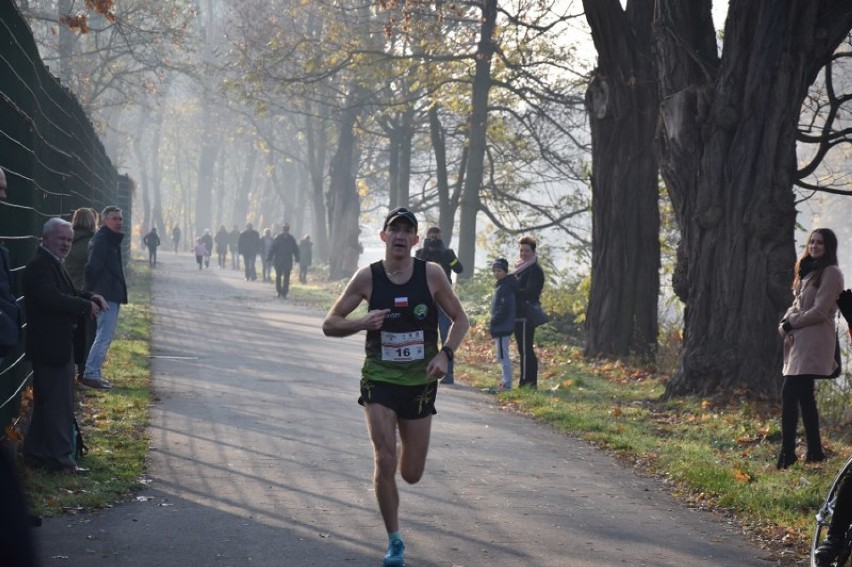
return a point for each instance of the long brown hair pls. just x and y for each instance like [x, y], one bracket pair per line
[829, 258]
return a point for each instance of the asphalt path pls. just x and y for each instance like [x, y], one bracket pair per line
[259, 456]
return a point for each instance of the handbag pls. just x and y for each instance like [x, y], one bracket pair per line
[839, 370]
[535, 314]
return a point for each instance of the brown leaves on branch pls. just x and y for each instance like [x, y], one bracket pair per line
[80, 22]
[102, 7]
[77, 22]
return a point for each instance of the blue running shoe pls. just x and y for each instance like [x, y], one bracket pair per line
[394, 557]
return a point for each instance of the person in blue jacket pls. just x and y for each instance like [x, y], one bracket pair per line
[502, 324]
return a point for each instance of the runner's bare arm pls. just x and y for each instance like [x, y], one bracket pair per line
[444, 296]
[357, 290]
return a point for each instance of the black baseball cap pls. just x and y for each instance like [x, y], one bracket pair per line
[400, 213]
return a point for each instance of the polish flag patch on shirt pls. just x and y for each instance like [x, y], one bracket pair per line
[400, 302]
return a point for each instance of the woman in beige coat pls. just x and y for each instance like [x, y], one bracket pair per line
[809, 334]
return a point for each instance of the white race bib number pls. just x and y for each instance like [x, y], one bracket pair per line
[402, 347]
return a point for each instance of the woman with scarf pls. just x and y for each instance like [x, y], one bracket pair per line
[810, 339]
[530, 283]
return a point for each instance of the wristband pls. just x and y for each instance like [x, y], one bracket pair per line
[449, 352]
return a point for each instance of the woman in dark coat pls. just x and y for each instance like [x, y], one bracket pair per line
[530, 283]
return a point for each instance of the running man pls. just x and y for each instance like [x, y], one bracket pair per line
[400, 375]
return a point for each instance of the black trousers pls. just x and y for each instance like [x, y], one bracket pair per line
[51, 435]
[798, 391]
[251, 270]
[525, 337]
[282, 280]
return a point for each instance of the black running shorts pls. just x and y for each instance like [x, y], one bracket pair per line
[409, 402]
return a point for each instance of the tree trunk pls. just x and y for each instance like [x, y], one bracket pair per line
[206, 161]
[446, 212]
[344, 204]
[244, 190]
[478, 129]
[317, 150]
[621, 319]
[728, 155]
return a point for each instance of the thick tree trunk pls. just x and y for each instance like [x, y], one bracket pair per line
[621, 318]
[727, 148]
[478, 129]
[344, 204]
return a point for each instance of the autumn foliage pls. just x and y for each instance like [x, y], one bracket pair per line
[80, 21]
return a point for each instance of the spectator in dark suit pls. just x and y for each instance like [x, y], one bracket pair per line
[282, 252]
[248, 245]
[53, 308]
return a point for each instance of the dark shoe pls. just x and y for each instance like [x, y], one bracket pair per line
[785, 459]
[828, 550]
[815, 456]
[447, 380]
[95, 383]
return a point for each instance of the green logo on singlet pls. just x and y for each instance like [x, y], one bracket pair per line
[421, 311]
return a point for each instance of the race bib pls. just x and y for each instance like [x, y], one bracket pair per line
[402, 347]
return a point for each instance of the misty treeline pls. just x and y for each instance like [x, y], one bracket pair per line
[325, 113]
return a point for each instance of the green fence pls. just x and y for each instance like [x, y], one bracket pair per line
[54, 164]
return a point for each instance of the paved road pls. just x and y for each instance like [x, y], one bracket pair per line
[259, 456]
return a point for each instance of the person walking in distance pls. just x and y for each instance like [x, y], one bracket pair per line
[434, 250]
[306, 256]
[207, 239]
[176, 237]
[265, 246]
[282, 253]
[221, 240]
[105, 277]
[200, 251]
[233, 247]
[248, 245]
[152, 242]
[403, 362]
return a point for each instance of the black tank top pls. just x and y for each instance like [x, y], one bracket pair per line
[403, 357]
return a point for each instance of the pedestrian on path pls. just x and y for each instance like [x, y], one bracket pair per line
[306, 256]
[152, 241]
[200, 251]
[176, 237]
[282, 253]
[403, 363]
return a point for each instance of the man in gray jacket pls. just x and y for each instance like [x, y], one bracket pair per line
[105, 277]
